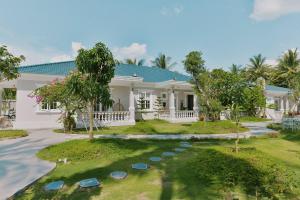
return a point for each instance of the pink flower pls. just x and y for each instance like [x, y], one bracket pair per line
[38, 99]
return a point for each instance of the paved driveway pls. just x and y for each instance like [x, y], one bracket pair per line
[18, 164]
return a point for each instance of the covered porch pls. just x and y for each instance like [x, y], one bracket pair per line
[176, 98]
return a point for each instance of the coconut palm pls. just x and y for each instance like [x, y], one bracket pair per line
[235, 69]
[288, 68]
[135, 61]
[257, 68]
[163, 61]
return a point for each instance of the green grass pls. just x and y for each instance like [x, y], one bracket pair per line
[9, 134]
[253, 119]
[164, 127]
[173, 178]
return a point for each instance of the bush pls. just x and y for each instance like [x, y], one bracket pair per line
[248, 169]
[275, 126]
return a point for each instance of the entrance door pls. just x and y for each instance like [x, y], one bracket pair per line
[190, 102]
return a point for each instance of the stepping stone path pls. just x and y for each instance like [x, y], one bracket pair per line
[139, 166]
[155, 159]
[56, 185]
[118, 175]
[179, 149]
[168, 154]
[91, 182]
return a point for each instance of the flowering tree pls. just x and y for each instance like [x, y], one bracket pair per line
[69, 103]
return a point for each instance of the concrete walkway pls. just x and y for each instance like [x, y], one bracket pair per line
[18, 164]
[20, 167]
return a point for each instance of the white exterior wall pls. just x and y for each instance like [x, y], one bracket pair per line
[28, 115]
[122, 93]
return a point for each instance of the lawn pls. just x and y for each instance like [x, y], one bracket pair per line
[9, 134]
[164, 127]
[208, 170]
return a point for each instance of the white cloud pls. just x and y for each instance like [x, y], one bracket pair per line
[61, 58]
[135, 50]
[76, 46]
[272, 62]
[273, 9]
[170, 11]
[44, 55]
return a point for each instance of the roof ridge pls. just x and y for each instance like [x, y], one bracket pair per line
[48, 63]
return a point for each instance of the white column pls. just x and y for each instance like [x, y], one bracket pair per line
[1, 90]
[287, 106]
[172, 104]
[196, 107]
[131, 106]
[281, 104]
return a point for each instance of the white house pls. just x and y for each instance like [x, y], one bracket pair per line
[129, 84]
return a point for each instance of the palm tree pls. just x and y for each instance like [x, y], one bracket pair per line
[288, 68]
[163, 61]
[258, 68]
[135, 61]
[235, 69]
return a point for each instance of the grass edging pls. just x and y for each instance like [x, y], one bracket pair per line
[15, 134]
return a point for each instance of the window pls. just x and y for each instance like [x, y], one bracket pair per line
[164, 99]
[49, 106]
[144, 100]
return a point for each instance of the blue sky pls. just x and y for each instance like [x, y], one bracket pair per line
[226, 31]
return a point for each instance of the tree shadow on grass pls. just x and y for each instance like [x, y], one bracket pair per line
[183, 176]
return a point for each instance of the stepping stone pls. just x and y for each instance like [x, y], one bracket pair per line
[139, 166]
[91, 182]
[185, 145]
[179, 149]
[118, 175]
[168, 153]
[155, 159]
[56, 185]
[184, 142]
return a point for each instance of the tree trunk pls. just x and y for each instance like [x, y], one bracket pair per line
[91, 120]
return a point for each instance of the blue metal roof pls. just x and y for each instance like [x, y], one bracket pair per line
[274, 88]
[149, 74]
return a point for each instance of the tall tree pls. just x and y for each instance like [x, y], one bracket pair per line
[235, 69]
[288, 69]
[96, 68]
[257, 68]
[163, 61]
[134, 61]
[9, 64]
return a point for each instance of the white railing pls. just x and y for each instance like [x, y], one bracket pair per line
[112, 116]
[184, 114]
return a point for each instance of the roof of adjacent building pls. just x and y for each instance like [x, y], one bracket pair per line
[149, 74]
[274, 88]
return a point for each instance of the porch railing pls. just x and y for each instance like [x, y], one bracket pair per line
[112, 116]
[184, 114]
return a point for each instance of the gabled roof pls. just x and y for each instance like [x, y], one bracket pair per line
[273, 88]
[149, 74]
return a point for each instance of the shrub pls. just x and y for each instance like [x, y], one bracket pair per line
[248, 169]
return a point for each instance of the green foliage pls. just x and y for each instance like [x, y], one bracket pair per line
[258, 68]
[9, 94]
[96, 68]
[249, 169]
[288, 69]
[69, 103]
[163, 61]
[254, 98]
[275, 126]
[9, 64]
[135, 61]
